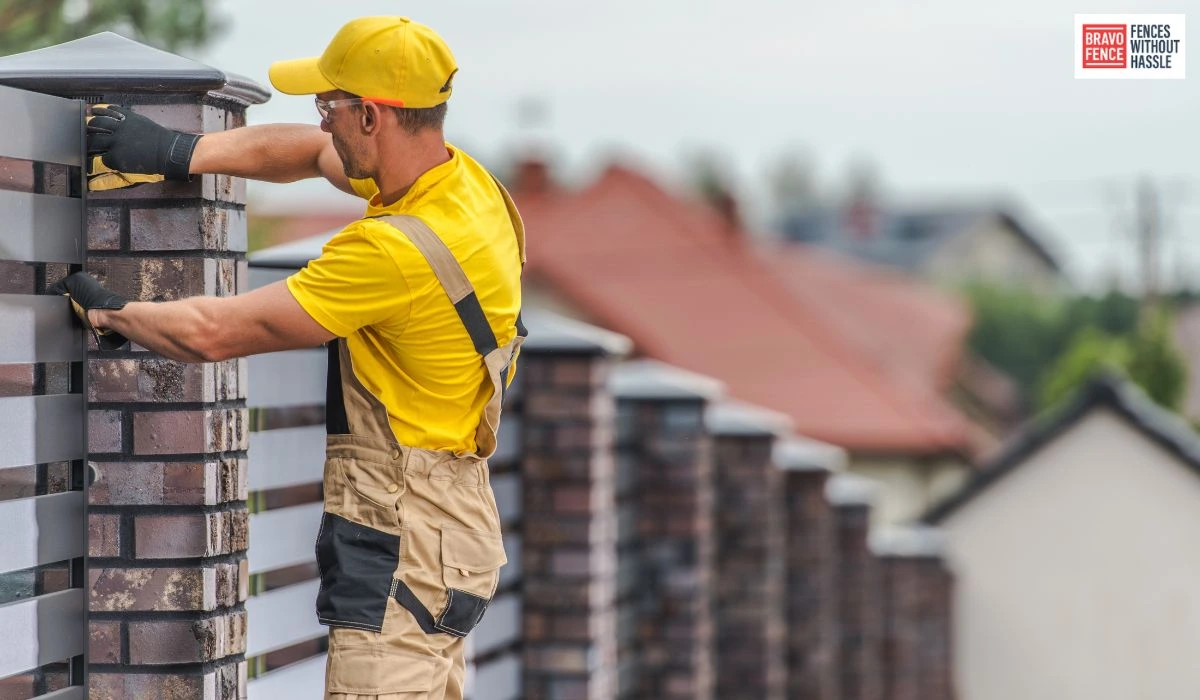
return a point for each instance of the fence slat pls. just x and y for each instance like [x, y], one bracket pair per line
[498, 680]
[41, 228]
[286, 457]
[293, 378]
[41, 530]
[507, 488]
[73, 693]
[300, 681]
[508, 439]
[282, 617]
[39, 127]
[511, 571]
[283, 537]
[37, 329]
[501, 624]
[45, 630]
[39, 429]
[262, 276]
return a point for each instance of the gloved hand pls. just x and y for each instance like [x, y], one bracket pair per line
[86, 293]
[130, 143]
[100, 177]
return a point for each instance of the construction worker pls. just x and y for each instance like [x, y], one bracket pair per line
[419, 304]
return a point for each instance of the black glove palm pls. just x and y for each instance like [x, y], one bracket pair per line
[86, 293]
[128, 142]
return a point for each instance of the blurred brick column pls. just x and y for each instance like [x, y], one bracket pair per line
[569, 530]
[750, 626]
[665, 458]
[917, 614]
[812, 569]
[860, 607]
[167, 440]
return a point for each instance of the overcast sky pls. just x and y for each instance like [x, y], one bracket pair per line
[948, 98]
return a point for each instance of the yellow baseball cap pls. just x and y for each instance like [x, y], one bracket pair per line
[390, 60]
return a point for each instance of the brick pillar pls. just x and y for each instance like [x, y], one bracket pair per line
[569, 516]
[860, 608]
[916, 604]
[811, 605]
[167, 440]
[749, 553]
[665, 465]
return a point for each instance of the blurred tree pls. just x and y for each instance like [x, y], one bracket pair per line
[1156, 363]
[792, 180]
[168, 24]
[1091, 352]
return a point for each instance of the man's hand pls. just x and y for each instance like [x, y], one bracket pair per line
[130, 143]
[86, 294]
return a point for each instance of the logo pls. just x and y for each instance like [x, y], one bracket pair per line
[1130, 46]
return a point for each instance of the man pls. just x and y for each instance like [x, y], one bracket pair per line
[419, 303]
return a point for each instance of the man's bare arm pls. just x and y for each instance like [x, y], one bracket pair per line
[271, 152]
[210, 329]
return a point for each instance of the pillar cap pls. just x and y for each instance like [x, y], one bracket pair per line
[852, 490]
[107, 63]
[807, 455]
[908, 541]
[651, 380]
[738, 419]
[551, 332]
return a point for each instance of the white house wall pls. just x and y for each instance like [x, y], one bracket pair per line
[1078, 574]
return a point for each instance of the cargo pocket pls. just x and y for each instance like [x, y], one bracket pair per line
[356, 565]
[372, 670]
[471, 562]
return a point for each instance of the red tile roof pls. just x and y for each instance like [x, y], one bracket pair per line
[671, 275]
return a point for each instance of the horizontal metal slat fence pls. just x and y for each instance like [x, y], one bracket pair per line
[43, 452]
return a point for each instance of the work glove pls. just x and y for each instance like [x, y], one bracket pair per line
[100, 177]
[130, 143]
[86, 293]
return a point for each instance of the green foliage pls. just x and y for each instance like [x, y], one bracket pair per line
[1157, 365]
[168, 24]
[1090, 353]
[1050, 344]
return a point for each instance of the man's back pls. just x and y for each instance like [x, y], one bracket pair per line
[407, 341]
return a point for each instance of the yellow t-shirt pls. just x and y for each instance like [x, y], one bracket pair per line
[408, 346]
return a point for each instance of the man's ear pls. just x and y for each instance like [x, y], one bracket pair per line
[369, 118]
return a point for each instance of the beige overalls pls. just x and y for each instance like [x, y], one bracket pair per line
[409, 549]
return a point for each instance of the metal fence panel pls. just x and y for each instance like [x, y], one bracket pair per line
[283, 537]
[37, 329]
[286, 457]
[301, 681]
[40, 429]
[498, 680]
[284, 616]
[501, 624]
[30, 222]
[45, 630]
[72, 693]
[39, 530]
[293, 378]
[40, 127]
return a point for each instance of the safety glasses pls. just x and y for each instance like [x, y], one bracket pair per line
[324, 107]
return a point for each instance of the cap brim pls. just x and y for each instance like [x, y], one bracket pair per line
[299, 77]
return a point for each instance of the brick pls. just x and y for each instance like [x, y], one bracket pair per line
[17, 175]
[192, 483]
[155, 379]
[224, 188]
[18, 277]
[189, 535]
[185, 227]
[104, 431]
[104, 641]
[117, 589]
[137, 686]
[104, 228]
[157, 278]
[155, 483]
[188, 432]
[161, 642]
[165, 189]
[104, 535]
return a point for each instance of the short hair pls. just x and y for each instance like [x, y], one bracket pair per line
[417, 119]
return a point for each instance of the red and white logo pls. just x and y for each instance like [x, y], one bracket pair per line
[1130, 46]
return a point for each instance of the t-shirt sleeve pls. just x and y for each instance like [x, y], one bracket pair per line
[354, 283]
